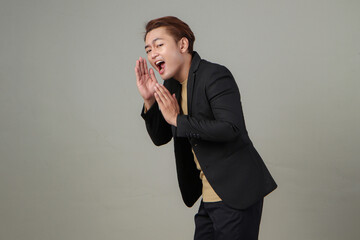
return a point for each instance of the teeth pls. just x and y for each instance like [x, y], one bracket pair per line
[158, 62]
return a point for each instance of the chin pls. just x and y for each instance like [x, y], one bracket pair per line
[165, 77]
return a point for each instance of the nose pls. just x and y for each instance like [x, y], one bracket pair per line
[154, 53]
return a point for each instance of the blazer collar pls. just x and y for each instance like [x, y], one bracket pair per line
[195, 62]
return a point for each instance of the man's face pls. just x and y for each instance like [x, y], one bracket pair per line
[163, 53]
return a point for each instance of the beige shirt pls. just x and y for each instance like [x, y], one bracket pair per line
[208, 193]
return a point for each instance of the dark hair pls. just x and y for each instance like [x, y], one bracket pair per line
[177, 28]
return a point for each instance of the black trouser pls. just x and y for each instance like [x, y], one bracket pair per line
[217, 221]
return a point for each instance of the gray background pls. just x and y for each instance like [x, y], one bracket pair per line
[76, 161]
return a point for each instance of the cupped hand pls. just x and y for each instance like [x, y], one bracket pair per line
[168, 104]
[145, 80]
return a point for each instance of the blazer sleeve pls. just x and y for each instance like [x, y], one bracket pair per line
[158, 129]
[224, 97]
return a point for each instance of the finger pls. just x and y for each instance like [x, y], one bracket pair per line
[145, 70]
[160, 93]
[142, 66]
[165, 102]
[145, 66]
[137, 71]
[164, 91]
[137, 74]
[159, 101]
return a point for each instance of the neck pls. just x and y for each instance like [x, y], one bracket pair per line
[184, 71]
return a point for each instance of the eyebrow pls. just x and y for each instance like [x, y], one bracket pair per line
[153, 42]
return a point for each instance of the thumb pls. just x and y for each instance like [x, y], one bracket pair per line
[177, 107]
[152, 75]
[174, 97]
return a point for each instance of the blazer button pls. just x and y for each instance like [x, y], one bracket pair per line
[195, 144]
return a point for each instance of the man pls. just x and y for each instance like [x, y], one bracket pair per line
[199, 107]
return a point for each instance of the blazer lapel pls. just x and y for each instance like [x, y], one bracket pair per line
[195, 61]
[177, 91]
[190, 88]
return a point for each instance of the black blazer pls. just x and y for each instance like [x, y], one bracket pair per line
[215, 129]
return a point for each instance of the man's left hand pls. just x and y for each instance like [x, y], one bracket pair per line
[168, 104]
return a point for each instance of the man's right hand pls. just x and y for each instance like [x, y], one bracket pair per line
[146, 81]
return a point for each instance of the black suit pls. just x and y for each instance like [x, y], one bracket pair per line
[215, 129]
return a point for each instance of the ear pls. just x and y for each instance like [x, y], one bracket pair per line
[183, 44]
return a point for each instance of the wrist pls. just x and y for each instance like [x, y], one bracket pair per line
[149, 102]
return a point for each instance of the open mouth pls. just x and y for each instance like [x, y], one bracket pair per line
[161, 66]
